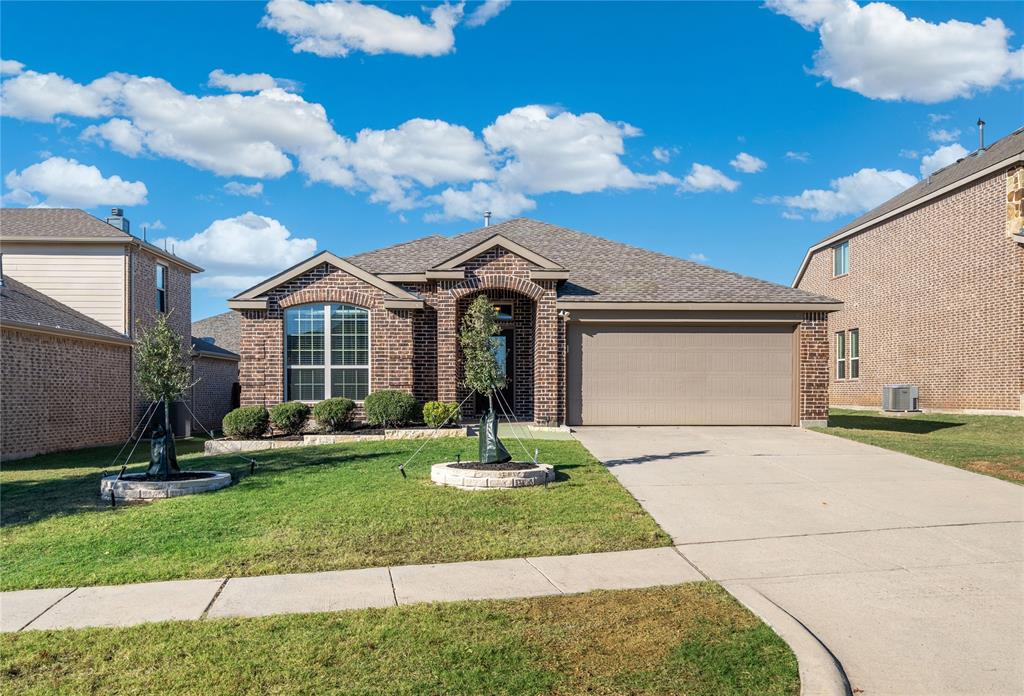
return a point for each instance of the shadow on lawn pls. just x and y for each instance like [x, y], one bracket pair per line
[31, 500]
[892, 424]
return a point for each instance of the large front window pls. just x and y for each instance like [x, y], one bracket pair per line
[327, 352]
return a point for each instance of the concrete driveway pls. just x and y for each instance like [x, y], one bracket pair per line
[911, 572]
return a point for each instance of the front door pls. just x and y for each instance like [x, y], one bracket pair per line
[503, 350]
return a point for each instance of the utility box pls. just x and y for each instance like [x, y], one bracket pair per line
[899, 397]
[181, 421]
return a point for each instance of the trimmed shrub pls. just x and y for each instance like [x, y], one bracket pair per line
[438, 413]
[389, 408]
[246, 423]
[291, 417]
[334, 414]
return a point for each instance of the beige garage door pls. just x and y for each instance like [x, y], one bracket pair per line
[621, 374]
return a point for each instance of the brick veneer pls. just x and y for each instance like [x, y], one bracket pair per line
[211, 395]
[417, 350]
[813, 346]
[937, 294]
[62, 393]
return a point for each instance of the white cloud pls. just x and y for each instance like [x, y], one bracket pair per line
[663, 154]
[155, 226]
[65, 182]
[942, 135]
[237, 188]
[847, 195]
[546, 150]
[698, 257]
[943, 157]
[122, 135]
[879, 52]
[705, 178]
[40, 97]
[936, 118]
[420, 151]
[249, 82]
[748, 164]
[790, 215]
[909, 154]
[338, 27]
[798, 156]
[486, 11]
[10, 67]
[239, 252]
[472, 203]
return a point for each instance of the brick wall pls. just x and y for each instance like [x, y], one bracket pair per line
[61, 393]
[211, 395]
[938, 297]
[813, 346]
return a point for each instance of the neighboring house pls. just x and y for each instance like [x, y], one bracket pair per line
[593, 331]
[932, 283]
[87, 268]
[215, 358]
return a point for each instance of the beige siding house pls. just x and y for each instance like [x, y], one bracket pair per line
[77, 291]
[932, 285]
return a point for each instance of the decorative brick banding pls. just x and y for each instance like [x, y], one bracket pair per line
[446, 474]
[128, 489]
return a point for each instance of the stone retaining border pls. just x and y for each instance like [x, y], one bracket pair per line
[445, 474]
[127, 489]
[231, 446]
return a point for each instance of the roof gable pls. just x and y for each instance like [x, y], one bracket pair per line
[503, 242]
[250, 299]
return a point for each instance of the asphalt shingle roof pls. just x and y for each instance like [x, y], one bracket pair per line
[1011, 145]
[55, 222]
[200, 344]
[20, 303]
[221, 330]
[600, 270]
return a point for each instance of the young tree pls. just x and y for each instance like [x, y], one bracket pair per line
[162, 369]
[482, 372]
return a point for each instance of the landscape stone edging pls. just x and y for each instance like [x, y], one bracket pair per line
[230, 446]
[444, 474]
[128, 489]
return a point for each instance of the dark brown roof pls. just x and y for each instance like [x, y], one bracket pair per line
[600, 270]
[203, 346]
[973, 163]
[221, 330]
[55, 222]
[22, 305]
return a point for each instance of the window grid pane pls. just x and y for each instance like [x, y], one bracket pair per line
[854, 353]
[306, 384]
[841, 355]
[304, 328]
[350, 336]
[352, 383]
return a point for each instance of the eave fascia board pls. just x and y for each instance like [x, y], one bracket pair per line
[504, 242]
[216, 356]
[704, 306]
[948, 188]
[57, 331]
[403, 304]
[403, 277]
[458, 274]
[314, 261]
[247, 304]
[548, 274]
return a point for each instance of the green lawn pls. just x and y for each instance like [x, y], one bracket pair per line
[305, 509]
[992, 445]
[688, 639]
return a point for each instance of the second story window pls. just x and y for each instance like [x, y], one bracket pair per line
[161, 288]
[840, 259]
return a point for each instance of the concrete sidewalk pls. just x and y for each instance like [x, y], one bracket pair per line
[126, 605]
[910, 572]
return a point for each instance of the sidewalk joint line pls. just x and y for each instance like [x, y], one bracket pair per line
[213, 599]
[543, 575]
[848, 531]
[690, 563]
[394, 592]
[61, 599]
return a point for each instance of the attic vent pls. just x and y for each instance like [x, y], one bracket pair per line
[899, 397]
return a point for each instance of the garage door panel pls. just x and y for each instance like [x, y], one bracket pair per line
[678, 375]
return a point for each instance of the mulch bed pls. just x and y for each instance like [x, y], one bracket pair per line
[506, 466]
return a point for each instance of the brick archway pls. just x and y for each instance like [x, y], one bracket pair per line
[326, 296]
[497, 282]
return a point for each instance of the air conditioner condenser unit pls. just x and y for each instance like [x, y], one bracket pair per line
[899, 397]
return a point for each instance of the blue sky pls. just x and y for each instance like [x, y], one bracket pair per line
[343, 127]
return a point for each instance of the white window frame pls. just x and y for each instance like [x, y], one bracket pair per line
[327, 364]
[854, 366]
[841, 373]
[841, 251]
[161, 292]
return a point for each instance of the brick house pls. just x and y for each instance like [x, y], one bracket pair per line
[593, 331]
[932, 285]
[76, 291]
